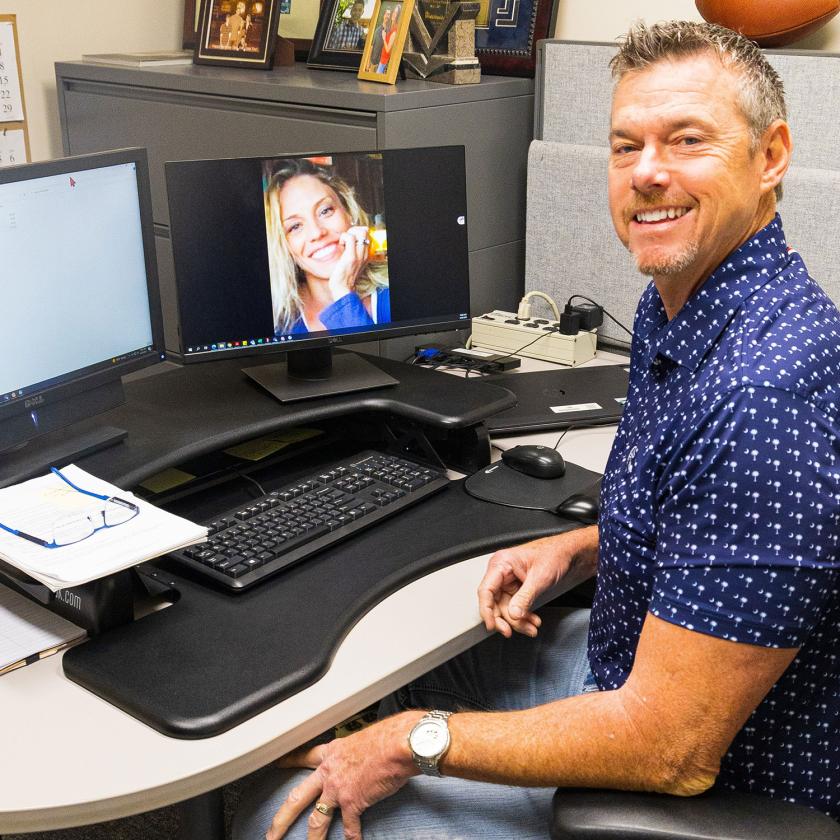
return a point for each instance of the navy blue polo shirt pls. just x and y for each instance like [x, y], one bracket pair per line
[721, 503]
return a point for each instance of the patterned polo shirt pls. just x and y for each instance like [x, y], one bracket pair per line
[721, 503]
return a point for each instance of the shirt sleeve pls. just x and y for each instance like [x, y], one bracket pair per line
[748, 523]
[347, 311]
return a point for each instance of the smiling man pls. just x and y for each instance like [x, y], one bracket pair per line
[708, 656]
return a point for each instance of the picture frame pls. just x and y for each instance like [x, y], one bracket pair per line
[379, 31]
[237, 33]
[506, 35]
[333, 46]
[300, 21]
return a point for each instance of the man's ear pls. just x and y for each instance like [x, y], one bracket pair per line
[776, 151]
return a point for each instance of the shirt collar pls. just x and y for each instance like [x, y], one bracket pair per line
[696, 327]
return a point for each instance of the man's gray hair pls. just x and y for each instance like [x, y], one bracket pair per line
[761, 95]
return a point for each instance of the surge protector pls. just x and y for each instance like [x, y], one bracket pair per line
[536, 338]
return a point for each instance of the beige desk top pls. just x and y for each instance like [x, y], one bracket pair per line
[70, 758]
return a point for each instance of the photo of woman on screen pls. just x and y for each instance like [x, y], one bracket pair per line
[321, 273]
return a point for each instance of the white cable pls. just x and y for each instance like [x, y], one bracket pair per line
[524, 310]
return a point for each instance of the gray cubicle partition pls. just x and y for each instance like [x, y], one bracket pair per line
[191, 112]
[571, 246]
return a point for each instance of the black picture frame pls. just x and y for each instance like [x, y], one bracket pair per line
[507, 44]
[253, 52]
[321, 56]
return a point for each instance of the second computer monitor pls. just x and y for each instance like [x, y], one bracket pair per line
[305, 252]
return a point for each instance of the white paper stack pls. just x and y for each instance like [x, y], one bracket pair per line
[35, 505]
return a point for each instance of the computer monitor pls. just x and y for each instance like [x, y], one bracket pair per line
[303, 253]
[81, 302]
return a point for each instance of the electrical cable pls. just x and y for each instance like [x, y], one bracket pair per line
[524, 309]
[595, 303]
[254, 482]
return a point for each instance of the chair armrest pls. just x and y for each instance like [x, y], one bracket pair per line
[718, 814]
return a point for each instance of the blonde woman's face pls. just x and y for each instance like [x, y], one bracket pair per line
[313, 219]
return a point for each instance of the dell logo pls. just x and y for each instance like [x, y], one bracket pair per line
[335, 339]
[34, 402]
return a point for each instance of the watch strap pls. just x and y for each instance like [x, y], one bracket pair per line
[429, 766]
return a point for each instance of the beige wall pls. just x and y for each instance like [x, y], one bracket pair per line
[53, 30]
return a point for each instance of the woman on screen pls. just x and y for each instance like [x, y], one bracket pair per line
[321, 275]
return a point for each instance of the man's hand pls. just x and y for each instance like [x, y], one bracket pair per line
[352, 261]
[350, 774]
[515, 578]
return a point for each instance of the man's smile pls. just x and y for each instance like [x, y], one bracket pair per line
[659, 214]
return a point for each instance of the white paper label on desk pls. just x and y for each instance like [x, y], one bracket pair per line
[565, 409]
[12, 147]
[11, 102]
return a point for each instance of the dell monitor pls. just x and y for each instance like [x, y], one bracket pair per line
[304, 253]
[80, 297]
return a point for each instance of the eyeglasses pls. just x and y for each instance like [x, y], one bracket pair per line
[73, 529]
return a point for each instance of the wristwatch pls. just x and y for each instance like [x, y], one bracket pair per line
[429, 740]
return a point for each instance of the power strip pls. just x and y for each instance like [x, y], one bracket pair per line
[536, 338]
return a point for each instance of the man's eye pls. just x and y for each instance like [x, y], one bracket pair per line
[623, 149]
[690, 141]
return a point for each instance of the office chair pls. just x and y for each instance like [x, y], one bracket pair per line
[716, 815]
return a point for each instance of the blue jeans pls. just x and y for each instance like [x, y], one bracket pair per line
[496, 675]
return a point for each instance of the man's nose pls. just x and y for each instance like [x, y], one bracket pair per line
[651, 172]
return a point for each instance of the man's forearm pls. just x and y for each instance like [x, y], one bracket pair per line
[586, 741]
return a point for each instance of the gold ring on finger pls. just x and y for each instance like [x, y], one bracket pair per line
[323, 808]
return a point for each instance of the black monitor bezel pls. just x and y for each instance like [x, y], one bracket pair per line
[333, 340]
[42, 395]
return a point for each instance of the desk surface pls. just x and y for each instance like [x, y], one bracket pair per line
[71, 758]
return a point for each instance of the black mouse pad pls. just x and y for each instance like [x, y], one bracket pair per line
[502, 485]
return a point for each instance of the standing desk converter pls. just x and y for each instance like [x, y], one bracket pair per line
[229, 669]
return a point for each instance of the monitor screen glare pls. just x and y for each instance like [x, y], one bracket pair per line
[75, 293]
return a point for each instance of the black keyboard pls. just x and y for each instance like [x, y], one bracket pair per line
[288, 525]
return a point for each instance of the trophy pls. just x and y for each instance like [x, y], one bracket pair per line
[442, 42]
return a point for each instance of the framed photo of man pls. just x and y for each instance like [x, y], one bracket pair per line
[340, 35]
[237, 33]
[385, 40]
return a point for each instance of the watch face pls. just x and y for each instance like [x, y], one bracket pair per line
[429, 738]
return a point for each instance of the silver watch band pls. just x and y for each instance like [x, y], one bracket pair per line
[429, 766]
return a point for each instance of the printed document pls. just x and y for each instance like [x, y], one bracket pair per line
[34, 506]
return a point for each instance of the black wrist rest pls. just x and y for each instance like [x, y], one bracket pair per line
[213, 659]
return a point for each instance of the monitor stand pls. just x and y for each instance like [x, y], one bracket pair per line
[58, 432]
[309, 374]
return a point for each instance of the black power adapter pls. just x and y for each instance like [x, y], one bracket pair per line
[590, 315]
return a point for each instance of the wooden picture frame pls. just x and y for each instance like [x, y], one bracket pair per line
[379, 31]
[237, 33]
[506, 35]
[331, 48]
[189, 33]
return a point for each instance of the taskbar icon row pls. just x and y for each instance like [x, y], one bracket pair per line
[238, 345]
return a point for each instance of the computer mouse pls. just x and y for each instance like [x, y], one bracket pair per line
[580, 507]
[535, 460]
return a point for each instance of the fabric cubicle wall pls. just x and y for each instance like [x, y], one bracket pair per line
[570, 244]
